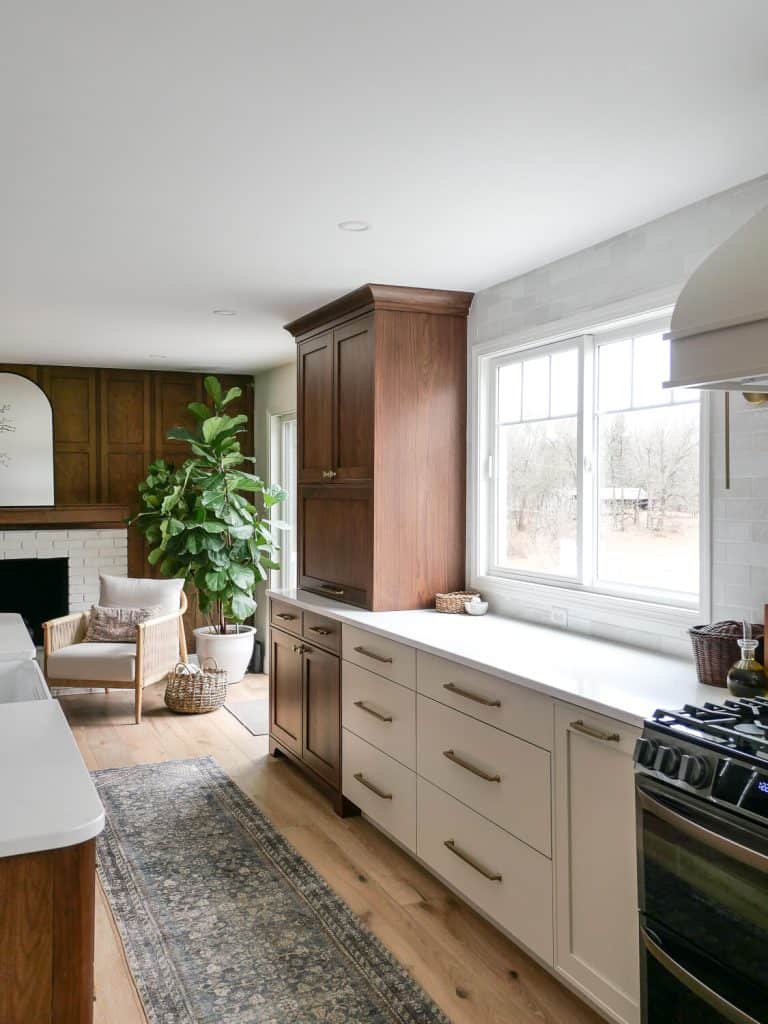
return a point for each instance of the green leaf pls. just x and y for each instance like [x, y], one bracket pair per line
[213, 426]
[155, 555]
[180, 434]
[242, 576]
[231, 395]
[243, 606]
[200, 411]
[213, 388]
[216, 580]
[213, 527]
[175, 527]
[241, 532]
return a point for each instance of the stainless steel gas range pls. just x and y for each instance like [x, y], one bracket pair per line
[702, 809]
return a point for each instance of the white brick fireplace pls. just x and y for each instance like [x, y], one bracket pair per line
[90, 551]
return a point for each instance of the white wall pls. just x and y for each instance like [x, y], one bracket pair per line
[658, 258]
[274, 393]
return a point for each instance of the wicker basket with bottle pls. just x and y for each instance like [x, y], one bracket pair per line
[716, 649]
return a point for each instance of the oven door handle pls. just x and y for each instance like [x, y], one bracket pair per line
[726, 1010]
[728, 847]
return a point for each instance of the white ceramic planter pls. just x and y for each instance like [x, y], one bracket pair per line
[232, 651]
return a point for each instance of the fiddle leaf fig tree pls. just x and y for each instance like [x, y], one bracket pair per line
[207, 521]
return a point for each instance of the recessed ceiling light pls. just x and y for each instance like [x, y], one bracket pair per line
[157, 355]
[354, 225]
[225, 312]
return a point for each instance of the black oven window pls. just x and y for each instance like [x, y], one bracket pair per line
[710, 900]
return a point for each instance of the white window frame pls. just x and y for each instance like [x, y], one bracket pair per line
[282, 578]
[555, 599]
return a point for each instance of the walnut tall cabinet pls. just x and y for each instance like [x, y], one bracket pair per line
[381, 446]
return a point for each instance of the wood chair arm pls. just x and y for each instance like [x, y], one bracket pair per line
[64, 631]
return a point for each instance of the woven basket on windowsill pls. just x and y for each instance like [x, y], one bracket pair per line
[453, 603]
[195, 693]
[716, 649]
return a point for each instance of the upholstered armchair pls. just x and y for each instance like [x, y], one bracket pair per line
[71, 661]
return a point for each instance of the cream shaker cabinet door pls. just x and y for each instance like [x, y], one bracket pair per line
[596, 902]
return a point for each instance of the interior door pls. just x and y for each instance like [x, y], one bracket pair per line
[322, 714]
[315, 383]
[353, 367]
[285, 690]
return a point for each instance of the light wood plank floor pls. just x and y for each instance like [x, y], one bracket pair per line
[475, 974]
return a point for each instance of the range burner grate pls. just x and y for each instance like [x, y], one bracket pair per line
[738, 724]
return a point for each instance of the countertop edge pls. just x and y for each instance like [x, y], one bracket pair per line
[350, 615]
[58, 841]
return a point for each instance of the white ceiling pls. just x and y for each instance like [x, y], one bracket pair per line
[162, 159]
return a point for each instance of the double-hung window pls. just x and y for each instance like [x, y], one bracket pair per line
[591, 474]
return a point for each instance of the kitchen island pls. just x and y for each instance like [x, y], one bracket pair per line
[50, 814]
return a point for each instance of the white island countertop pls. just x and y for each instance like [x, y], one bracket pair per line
[22, 681]
[626, 683]
[15, 641]
[47, 797]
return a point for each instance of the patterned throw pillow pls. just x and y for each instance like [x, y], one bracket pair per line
[116, 625]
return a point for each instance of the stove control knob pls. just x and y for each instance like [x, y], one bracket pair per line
[645, 752]
[694, 771]
[667, 760]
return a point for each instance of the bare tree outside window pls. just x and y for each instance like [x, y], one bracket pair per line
[627, 518]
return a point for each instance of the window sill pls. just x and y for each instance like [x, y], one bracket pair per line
[637, 622]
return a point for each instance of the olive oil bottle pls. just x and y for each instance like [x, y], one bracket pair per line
[747, 677]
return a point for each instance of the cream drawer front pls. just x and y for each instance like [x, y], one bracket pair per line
[501, 777]
[379, 711]
[514, 709]
[521, 900]
[382, 788]
[377, 654]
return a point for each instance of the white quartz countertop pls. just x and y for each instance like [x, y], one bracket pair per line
[47, 797]
[626, 683]
[15, 641]
[22, 681]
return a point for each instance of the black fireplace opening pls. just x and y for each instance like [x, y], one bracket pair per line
[36, 588]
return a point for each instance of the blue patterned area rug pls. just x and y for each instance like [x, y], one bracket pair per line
[223, 922]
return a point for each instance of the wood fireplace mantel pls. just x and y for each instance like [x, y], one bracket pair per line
[83, 517]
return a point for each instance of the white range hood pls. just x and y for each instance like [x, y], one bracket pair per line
[719, 330]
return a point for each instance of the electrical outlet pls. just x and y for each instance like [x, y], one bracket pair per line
[559, 617]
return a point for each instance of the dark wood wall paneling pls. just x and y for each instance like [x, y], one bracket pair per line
[109, 425]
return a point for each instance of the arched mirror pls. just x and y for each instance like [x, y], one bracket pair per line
[26, 443]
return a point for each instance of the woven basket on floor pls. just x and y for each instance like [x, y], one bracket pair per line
[193, 692]
[453, 603]
[715, 649]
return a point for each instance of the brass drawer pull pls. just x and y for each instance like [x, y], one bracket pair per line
[376, 714]
[596, 734]
[336, 591]
[492, 876]
[453, 688]
[329, 474]
[301, 649]
[320, 631]
[369, 785]
[453, 756]
[376, 657]
[284, 616]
